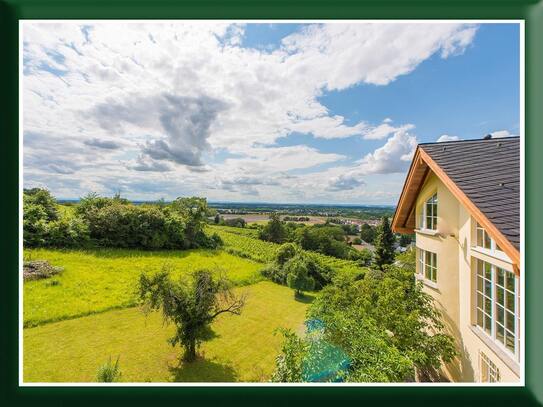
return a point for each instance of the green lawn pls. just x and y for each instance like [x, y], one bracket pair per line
[103, 279]
[242, 348]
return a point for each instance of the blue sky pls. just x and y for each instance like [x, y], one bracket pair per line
[313, 113]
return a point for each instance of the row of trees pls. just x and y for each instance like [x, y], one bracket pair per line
[326, 239]
[115, 222]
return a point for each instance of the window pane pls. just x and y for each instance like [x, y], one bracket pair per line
[488, 243]
[500, 334]
[488, 306]
[499, 296]
[487, 324]
[500, 276]
[480, 284]
[488, 288]
[510, 281]
[510, 303]
[510, 342]
[510, 318]
[480, 318]
[488, 271]
[480, 267]
[500, 314]
[480, 237]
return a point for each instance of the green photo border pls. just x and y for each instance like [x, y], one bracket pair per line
[11, 11]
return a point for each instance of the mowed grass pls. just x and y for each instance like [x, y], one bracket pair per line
[102, 279]
[241, 348]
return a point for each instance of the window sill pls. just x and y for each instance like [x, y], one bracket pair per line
[426, 282]
[509, 360]
[490, 253]
[428, 232]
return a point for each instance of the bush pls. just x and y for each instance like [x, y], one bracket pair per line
[109, 372]
[34, 224]
[44, 199]
[68, 232]
[130, 226]
[357, 240]
[235, 222]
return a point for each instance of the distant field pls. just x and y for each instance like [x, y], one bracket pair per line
[262, 218]
[102, 279]
[242, 348]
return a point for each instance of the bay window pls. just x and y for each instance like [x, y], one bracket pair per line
[497, 305]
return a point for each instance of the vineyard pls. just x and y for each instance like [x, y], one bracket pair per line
[244, 243]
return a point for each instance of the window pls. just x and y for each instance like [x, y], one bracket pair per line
[428, 265]
[497, 305]
[484, 240]
[489, 371]
[428, 219]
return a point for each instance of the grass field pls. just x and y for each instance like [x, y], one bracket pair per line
[242, 348]
[102, 279]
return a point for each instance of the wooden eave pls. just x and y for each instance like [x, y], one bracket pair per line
[404, 216]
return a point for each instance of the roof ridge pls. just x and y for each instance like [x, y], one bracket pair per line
[469, 140]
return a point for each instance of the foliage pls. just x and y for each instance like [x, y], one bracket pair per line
[385, 323]
[109, 372]
[235, 222]
[190, 306]
[274, 231]
[367, 233]
[42, 198]
[328, 240]
[357, 240]
[384, 245]
[68, 232]
[290, 362]
[405, 240]
[297, 270]
[97, 280]
[78, 345]
[34, 224]
[244, 243]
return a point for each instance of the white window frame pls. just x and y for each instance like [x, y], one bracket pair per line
[488, 306]
[488, 371]
[492, 248]
[424, 265]
[432, 200]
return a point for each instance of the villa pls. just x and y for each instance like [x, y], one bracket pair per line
[462, 201]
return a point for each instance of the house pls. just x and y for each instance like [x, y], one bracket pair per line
[462, 201]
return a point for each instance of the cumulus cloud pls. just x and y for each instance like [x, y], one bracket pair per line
[446, 137]
[172, 93]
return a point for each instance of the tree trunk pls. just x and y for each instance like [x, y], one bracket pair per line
[190, 351]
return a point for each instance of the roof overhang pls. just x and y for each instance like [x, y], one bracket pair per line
[404, 216]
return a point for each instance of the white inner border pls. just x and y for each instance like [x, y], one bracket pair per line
[521, 383]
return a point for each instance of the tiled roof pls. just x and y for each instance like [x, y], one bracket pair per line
[488, 172]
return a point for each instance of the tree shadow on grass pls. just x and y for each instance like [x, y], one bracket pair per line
[304, 298]
[203, 370]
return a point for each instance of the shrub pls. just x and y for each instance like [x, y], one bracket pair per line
[34, 224]
[109, 372]
[43, 198]
[68, 232]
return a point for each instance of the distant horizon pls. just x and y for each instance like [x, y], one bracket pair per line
[62, 200]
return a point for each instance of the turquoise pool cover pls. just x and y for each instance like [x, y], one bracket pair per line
[325, 362]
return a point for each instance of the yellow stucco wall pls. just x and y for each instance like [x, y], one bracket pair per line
[454, 291]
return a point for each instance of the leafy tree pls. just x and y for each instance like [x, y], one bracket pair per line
[290, 362]
[193, 212]
[367, 233]
[34, 224]
[68, 231]
[357, 240]
[297, 272]
[235, 222]
[274, 231]
[386, 324]
[43, 198]
[217, 219]
[190, 305]
[384, 244]
[405, 240]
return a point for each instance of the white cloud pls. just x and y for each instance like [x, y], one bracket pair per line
[171, 94]
[446, 137]
[501, 133]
